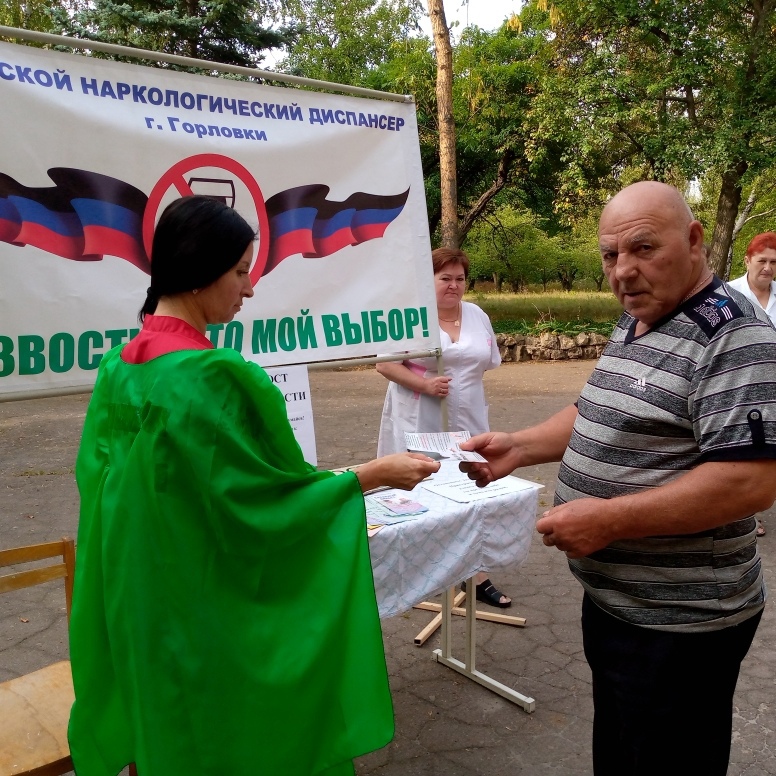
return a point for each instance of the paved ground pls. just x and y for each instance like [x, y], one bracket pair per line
[446, 725]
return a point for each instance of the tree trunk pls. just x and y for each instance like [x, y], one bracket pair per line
[444, 95]
[566, 275]
[743, 217]
[193, 43]
[545, 280]
[497, 282]
[501, 180]
[727, 210]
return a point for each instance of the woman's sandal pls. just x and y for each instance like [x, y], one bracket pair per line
[487, 593]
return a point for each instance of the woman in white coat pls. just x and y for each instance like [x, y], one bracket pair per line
[759, 287]
[469, 349]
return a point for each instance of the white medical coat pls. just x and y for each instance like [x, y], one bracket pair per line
[742, 286]
[465, 362]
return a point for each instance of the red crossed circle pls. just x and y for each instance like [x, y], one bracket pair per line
[175, 177]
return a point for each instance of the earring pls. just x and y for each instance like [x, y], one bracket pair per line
[195, 291]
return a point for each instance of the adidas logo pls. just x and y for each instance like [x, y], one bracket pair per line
[640, 384]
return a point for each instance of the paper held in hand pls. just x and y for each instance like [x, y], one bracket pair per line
[441, 445]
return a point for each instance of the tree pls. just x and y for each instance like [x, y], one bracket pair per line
[509, 245]
[28, 14]
[449, 237]
[226, 31]
[759, 205]
[668, 91]
[499, 158]
[346, 40]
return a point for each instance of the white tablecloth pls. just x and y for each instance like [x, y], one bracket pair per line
[451, 542]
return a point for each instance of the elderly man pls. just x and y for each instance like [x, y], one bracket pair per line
[665, 457]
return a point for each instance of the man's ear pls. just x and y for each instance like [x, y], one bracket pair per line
[696, 239]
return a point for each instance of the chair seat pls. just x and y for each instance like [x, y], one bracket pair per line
[35, 709]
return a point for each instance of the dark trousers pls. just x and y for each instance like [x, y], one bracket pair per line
[663, 700]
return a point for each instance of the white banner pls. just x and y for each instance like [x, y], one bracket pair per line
[93, 150]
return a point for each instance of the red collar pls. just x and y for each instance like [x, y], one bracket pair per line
[163, 334]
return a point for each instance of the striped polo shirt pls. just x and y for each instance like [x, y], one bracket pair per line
[699, 386]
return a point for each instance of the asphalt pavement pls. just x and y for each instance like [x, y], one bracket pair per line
[445, 724]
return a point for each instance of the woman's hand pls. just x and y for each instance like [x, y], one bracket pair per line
[437, 386]
[401, 470]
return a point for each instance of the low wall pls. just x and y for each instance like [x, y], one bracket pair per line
[549, 347]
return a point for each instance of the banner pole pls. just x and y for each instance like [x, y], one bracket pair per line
[74, 390]
[202, 64]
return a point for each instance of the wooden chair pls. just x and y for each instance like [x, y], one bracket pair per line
[35, 708]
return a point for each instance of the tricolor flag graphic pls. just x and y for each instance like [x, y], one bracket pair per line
[302, 220]
[88, 215]
[85, 216]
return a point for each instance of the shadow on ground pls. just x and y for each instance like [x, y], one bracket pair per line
[445, 725]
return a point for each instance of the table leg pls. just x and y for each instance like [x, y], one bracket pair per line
[470, 647]
[467, 668]
[447, 617]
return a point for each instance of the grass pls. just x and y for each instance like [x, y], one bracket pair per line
[556, 312]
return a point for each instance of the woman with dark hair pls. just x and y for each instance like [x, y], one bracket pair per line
[469, 349]
[224, 617]
[759, 287]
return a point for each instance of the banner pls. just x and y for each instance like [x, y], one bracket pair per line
[91, 152]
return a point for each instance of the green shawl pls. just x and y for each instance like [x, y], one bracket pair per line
[224, 618]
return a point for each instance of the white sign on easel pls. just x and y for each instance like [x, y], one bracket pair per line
[294, 384]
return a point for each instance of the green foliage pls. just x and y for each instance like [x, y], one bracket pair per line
[226, 31]
[497, 77]
[761, 218]
[346, 40]
[512, 245]
[669, 91]
[29, 14]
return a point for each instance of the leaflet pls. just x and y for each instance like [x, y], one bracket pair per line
[466, 490]
[391, 507]
[441, 445]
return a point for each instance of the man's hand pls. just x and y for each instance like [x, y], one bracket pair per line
[500, 450]
[578, 528]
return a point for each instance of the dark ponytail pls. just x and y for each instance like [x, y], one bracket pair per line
[197, 240]
[149, 306]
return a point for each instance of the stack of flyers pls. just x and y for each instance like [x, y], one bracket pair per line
[391, 508]
[400, 505]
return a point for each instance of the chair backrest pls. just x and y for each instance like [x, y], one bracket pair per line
[64, 568]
